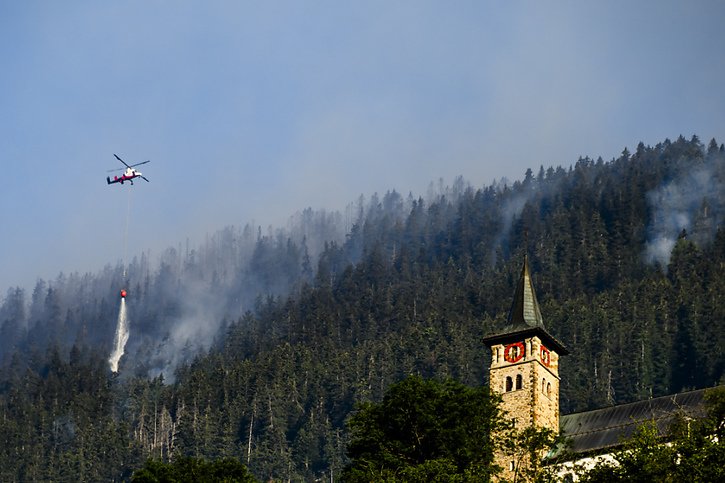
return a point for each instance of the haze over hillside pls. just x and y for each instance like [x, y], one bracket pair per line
[258, 345]
[180, 299]
[340, 195]
[251, 111]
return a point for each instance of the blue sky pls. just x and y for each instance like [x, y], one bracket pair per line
[250, 111]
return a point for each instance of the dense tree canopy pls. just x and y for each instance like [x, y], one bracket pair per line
[193, 470]
[424, 430]
[257, 345]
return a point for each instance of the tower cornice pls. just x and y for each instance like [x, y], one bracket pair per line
[510, 336]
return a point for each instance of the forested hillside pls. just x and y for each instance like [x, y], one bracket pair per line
[258, 343]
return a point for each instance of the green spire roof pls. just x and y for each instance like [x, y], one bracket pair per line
[525, 309]
[525, 317]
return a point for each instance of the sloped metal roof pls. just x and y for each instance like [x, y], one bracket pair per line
[591, 431]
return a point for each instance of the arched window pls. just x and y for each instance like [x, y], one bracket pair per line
[519, 381]
[548, 389]
[543, 385]
[509, 384]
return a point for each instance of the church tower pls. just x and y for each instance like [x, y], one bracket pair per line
[525, 363]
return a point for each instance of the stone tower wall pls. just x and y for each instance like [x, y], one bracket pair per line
[536, 402]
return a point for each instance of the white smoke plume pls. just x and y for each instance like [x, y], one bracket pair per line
[511, 208]
[192, 332]
[693, 202]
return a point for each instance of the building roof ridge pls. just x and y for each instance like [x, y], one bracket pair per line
[607, 427]
[672, 396]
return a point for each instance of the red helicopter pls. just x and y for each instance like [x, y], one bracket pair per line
[129, 173]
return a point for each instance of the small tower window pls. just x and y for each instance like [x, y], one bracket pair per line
[519, 381]
[543, 385]
[509, 384]
[548, 389]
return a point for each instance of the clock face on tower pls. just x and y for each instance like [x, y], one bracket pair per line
[545, 356]
[513, 352]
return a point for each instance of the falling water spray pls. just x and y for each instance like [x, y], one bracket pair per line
[121, 337]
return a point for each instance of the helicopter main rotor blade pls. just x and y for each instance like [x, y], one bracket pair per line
[124, 162]
[139, 164]
[113, 170]
[145, 179]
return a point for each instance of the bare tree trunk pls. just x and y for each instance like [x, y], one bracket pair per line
[251, 427]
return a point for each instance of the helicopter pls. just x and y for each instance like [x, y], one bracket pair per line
[128, 173]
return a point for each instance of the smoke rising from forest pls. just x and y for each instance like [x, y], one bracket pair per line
[692, 202]
[510, 210]
[202, 311]
[182, 298]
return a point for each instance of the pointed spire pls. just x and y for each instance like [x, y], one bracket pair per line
[525, 309]
[525, 317]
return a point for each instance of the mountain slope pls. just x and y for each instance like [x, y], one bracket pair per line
[412, 288]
